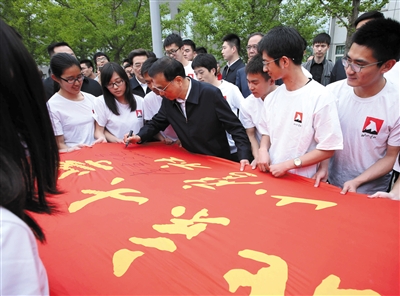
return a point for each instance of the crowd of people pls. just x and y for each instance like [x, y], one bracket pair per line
[275, 114]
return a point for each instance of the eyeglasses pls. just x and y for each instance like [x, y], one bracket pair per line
[137, 65]
[171, 52]
[115, 84]
[71, 80]
[250, 47]
[265, 63]
[355, 67]
[162, 91]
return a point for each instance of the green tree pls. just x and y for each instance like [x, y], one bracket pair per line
[206, 22]
[113, 26]
[347, 11]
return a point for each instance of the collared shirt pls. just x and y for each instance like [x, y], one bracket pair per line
[183, 102]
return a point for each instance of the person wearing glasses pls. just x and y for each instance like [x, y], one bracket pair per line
[118, 111]
[198, 113]
[101, 59]
[369, 110]
[241, 78]
[174, 48]
[71, 110]
[89, 85]
[137, 83]
[299, 123]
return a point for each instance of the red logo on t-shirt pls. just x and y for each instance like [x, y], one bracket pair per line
[372, 125]
[139, 113]
[298, 117]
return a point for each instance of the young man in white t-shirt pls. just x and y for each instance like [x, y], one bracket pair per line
[205, 69]
[260, 84]
[299, 125]
[369, 110]
[173, 46]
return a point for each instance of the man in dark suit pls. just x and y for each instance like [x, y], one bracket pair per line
[138, 85]
[89, 85]
[230, 53]
[198, 113]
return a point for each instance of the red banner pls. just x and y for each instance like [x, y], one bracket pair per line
[156, 220]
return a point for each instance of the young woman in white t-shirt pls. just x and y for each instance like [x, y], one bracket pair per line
[70, 109]
[118, 111]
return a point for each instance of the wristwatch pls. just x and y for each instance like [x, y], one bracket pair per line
[297, 162]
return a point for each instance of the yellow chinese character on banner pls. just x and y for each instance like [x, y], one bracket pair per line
[172, 161]
[98, 195]
[330, 286]
[269, 280]
[189, 227]
[210, 183]
[72, 167]
[122, 259]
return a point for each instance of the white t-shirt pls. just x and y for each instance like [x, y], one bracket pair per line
[121, 124]
[250, 114]
[73, 119]
[369, 125]
[22, 271]
[189, 71]
[300, 121]
[151, 105]
[234, 97]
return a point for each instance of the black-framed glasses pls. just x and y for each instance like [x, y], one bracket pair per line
[355, 67]
[72, 80]
[171, 52]
[162, 91]
[115, 84]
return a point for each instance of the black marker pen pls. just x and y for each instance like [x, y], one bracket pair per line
[127, 141]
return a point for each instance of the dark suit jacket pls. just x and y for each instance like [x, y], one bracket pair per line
[203, 131]
[338, 72]
[137, 89]
[229, 73]
[241, 82]
[89, 85]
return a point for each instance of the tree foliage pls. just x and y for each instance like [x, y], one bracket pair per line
[113, 26]
[347, 11]
[206, 22]
[118, 26]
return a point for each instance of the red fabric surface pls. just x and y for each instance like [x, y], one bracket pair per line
[354, 240]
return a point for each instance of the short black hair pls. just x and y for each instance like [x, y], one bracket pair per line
[136, 53]
[369, 16]
[382, 36]
[232, 40]
[171, 39]
[190, 43]
[200, 49]
[50, 48]
[205, 60]
[100, 54]
[255, 66]
[283, 41]
[169, 67]
[147, 64]
[322, 38]
[87, 62]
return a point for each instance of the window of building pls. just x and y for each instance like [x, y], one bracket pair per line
[339, 52]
